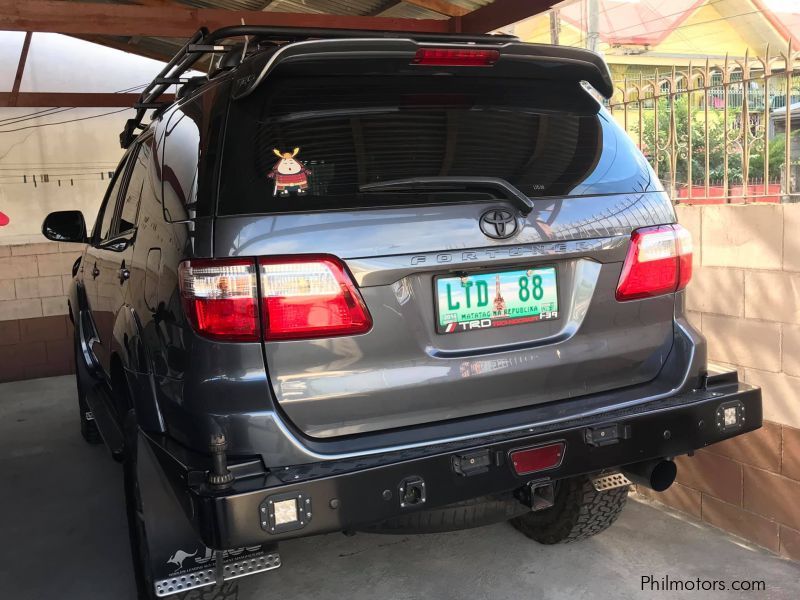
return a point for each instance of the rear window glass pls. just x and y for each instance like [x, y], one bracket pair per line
[301, 143]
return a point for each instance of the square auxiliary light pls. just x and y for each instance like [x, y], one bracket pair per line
[730, 416]
[284, 512]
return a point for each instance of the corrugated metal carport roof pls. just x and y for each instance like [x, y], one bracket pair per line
[164, 48]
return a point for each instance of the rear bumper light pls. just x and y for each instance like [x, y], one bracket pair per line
[659, 261]
[541, 458]
[298, 297]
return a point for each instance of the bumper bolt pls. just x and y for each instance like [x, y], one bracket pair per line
[334, 503]
[387, 495]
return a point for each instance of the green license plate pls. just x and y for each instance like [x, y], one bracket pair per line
[485, 300]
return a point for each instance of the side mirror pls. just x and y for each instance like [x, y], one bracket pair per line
[65, 226]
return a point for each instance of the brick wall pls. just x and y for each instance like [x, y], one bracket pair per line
[35, 332]
[745, 297]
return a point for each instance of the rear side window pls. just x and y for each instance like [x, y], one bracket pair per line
[309, 143]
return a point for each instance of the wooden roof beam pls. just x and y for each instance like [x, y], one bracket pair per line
[23, 57]
[79, 18]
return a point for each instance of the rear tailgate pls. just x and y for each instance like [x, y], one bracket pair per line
[589, 186]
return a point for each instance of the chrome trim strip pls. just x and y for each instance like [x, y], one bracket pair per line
[385, 270]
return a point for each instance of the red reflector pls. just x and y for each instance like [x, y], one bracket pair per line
[659, 261]
[310, 297]
[456, 57]
[220, 299]
[536, 459]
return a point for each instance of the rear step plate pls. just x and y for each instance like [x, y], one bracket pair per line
[610, 481]
[243, 563]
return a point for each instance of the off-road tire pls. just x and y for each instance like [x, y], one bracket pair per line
[579, 511]
[89, 429]
[476, 512]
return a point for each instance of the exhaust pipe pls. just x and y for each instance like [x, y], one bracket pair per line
[657, 475]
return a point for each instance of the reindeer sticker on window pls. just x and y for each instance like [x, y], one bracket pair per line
[290, 175]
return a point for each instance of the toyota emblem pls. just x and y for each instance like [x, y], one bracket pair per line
[498, 223]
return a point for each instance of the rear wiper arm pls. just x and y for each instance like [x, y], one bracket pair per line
[449, 183]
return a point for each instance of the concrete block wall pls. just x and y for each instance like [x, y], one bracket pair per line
[35, 332]
[745, 298]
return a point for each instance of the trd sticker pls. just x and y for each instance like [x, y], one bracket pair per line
[454, 327]
[290, 175]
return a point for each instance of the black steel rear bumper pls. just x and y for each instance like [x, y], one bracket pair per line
[336, 496]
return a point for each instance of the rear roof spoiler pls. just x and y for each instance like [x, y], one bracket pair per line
[204, 43]
[310, 44]
[516, 59]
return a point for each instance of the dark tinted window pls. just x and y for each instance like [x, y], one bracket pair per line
[130, 202]
[102, 227]
[544, 139]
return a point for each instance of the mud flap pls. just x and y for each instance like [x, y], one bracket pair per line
[179, 560]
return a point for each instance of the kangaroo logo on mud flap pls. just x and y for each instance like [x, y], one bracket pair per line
[178, 558]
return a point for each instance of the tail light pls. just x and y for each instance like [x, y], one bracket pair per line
[456, 57]
[220, 298]
[310, 297]
[301, 298]
[659, 261]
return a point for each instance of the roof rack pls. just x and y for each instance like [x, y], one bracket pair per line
[204, 42]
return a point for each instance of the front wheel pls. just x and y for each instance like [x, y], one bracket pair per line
[579, 511]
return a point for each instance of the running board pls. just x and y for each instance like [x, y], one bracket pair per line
[609, 481]
[235, 564]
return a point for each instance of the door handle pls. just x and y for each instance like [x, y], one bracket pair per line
[123, 274]
[95, 271]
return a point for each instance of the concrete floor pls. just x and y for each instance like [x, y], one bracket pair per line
[64, 536]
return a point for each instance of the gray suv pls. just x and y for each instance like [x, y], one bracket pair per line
[399, 283]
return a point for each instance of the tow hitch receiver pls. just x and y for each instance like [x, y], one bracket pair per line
[538, 495]
[202, 572]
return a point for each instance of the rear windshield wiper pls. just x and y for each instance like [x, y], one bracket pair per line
[451, 183]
